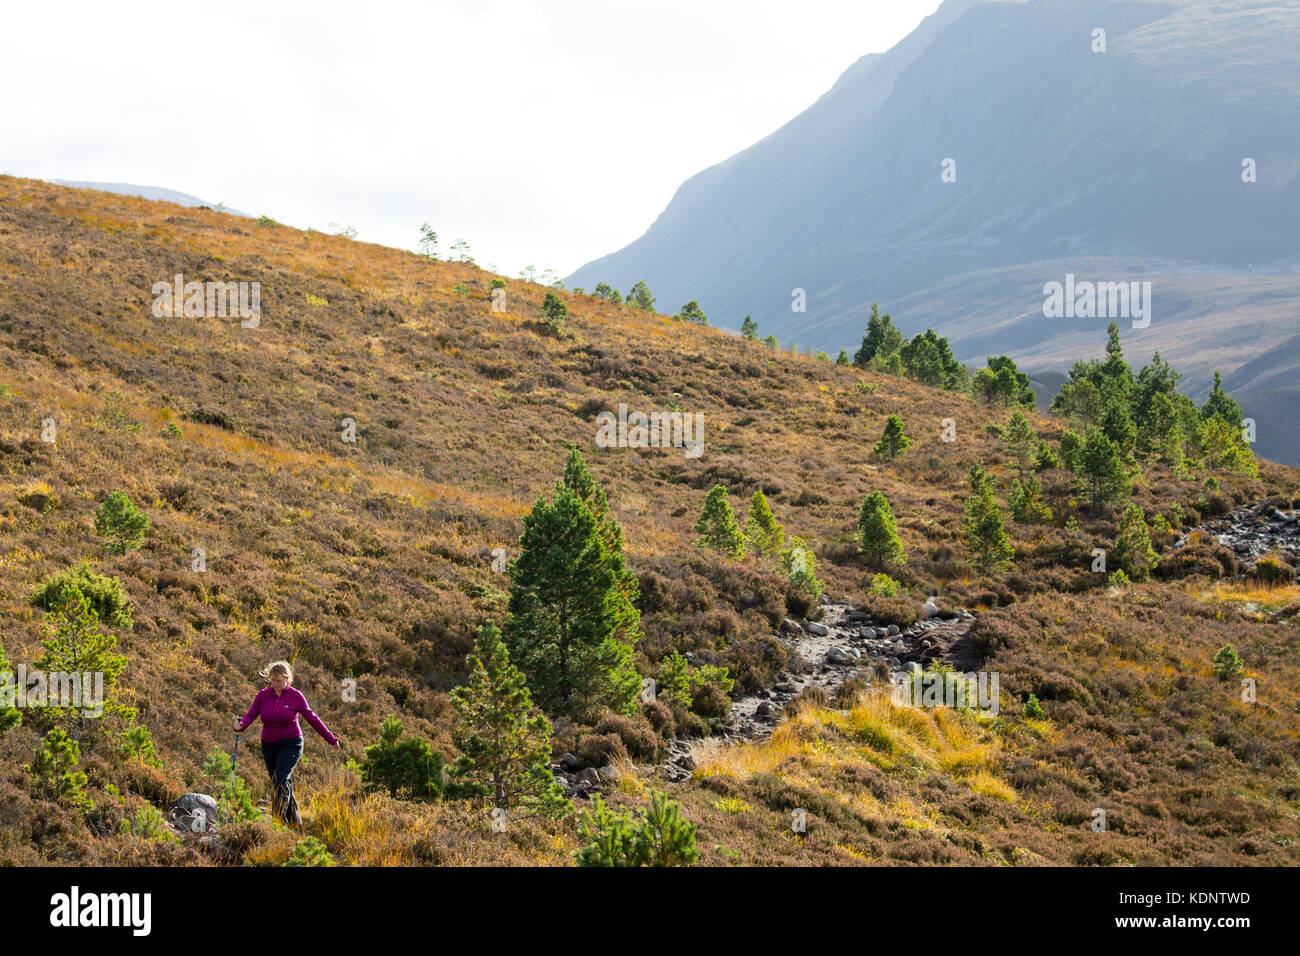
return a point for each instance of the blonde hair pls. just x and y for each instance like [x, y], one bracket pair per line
[276, 667]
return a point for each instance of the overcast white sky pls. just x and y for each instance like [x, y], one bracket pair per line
[545, 132]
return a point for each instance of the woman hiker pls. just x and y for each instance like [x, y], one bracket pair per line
[279, 706]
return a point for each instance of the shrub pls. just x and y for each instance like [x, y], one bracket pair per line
[1271, 570]
[106, 595]
[884, 585]
[1033, 708]
[596, 750]
[636, 732]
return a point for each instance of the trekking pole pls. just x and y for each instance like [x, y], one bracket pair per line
[234, 756]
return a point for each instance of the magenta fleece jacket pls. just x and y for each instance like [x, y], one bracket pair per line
[280, 715]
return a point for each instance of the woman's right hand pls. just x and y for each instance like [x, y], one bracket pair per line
[239, 725]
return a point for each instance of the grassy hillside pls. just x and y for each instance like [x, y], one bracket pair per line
[373, 560]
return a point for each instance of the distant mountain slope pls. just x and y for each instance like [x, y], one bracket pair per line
[1125, 164]
[149, 192]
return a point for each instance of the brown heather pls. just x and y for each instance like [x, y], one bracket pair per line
[373, 560]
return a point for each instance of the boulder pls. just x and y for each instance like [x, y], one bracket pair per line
[790, 627]
[821, 630]
[929, 609]
[912, 667]
[571, 761]
[194, 814]
[838, 655]
[892, 630]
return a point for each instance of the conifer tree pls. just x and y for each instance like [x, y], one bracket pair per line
[121, 522]
[882, 339]
[626, 617]
[1219, 405]
[878, 534]
[763, 535]
[640, 298]
[717, 525]
[504, 741]
[749, 330]
[1101, 474]
[1021, 441]
[74, 644]
[800, 566]
[1133, 552]
[1027, 503]
[893, 442]
[986, 539]
[567, 630]
[842, 358]
[54, 772]
[405, 768]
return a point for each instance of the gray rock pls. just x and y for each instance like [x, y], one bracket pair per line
[763, 709]
[837, 655]
[194, 814]
[685, 761]
[882, 632]
[589, 778]
[821, 630]
[610, 774]
[912, 667]
[571, 761]
[867, 632]
[893, 630]
[790, 627]
[929, 609]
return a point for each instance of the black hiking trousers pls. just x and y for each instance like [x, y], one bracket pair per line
[282, 758]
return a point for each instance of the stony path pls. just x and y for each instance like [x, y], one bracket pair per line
[1255, 530]
[843, 645]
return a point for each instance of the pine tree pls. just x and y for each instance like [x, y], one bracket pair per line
[882, 339]
[565, 630]
[74, 644]
[800, 566]
[1101, 474]
[1219, 405]
[986, 539]
[1021, 441]
[120, 521]
[1026, 499]
[54, 772]
[657, 836]
[842, 358]
[717, 526]
[428, 244]
[893, 442]
[691, 312]
[749, 330]
[505, 743]
[640, 298]
[763, 535]
[625, 616]
[1133, 552]
[404, 768]
[878, 534]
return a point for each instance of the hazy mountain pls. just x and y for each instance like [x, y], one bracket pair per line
[150, 192]
[1117, 165]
